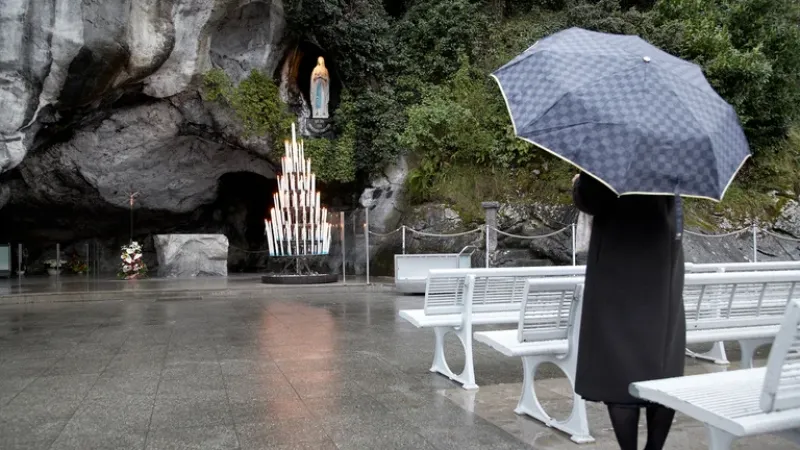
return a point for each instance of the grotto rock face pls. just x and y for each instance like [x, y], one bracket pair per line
[61, 60]
[99, 98]
[789, 220]
[249, 38]
[141, 149]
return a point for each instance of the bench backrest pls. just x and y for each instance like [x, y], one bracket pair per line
[742, 267]
[550, 308]
[738, 299]
[782, 381]
[495, 290]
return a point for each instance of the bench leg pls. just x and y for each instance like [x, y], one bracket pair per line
[716, 355]
[719, 439]
[465, 378]
[749, 347]
[577, 424]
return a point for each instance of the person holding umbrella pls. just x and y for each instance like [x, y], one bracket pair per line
[644, 128]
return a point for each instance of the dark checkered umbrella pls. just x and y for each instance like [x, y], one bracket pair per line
[636, 118]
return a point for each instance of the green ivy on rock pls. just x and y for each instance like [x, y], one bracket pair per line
[255, 100]
[332, 160]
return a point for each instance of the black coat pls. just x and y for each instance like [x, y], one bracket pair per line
[633, 326]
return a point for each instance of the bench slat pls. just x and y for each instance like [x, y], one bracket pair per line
[782, 380]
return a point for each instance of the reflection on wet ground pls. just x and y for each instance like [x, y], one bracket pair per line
[335, 370]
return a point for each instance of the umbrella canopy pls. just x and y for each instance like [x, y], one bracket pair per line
[635, 117]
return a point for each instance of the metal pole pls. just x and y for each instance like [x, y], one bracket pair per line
[58, 260]
[366, 237]
[574, 246]
[19, 260]
[755, 243]
[87, 258]
[344, 265]
[486, 227]
[404, 239]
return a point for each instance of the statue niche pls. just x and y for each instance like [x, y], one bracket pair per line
[320, 90]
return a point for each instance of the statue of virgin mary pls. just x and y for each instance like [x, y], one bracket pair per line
[320, 90]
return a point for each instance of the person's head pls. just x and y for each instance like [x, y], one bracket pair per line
[321, 61]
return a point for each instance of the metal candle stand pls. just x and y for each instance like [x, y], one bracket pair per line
[298, 229]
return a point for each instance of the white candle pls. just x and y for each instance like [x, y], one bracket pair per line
[296, 240]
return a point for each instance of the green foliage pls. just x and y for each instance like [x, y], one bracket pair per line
[417, 74]
[217, 85]
[608, 16]
[332, 160]
[513, 35]
[750, 52]
[255, 100]
[435, 33]
[374, 118]
[355, 34]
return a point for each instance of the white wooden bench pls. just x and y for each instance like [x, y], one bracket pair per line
[494, 298]
[411, 271]
[738, 306]
[717, 353]
[743, 306]
[547, 332]
[742, 402]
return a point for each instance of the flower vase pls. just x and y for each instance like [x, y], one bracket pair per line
[53, 272]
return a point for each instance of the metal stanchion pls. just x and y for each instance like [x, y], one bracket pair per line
[344, 263]
[574, 246]
[366, 237]
[755, 243]
[486, 227]
[404, 239]
[19, 260]
[58, 260]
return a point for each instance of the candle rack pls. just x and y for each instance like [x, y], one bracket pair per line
[298, 229]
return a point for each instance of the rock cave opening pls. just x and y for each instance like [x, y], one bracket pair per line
[242, 204]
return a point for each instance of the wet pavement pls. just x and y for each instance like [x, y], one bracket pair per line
[319, 370]
[82, 288]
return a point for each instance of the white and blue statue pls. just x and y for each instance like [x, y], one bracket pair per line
[320, 90]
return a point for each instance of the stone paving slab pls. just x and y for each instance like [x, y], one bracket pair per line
[303, 370]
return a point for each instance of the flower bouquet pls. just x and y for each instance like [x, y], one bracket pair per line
[76, 265]
[53, 266]
[133, 266]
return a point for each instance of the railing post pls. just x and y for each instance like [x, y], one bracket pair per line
[344, 263]
[19, 260]
[366, 237]
[490, 208]
[755, 243]
[574, 246]
[58, 260]
[404, 239]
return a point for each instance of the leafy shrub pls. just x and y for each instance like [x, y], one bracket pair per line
[255, 100]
